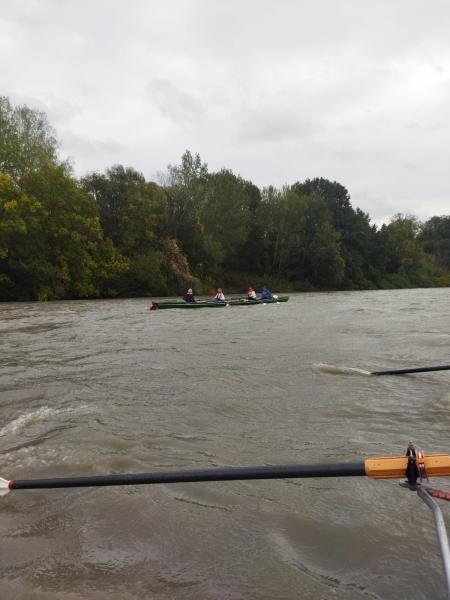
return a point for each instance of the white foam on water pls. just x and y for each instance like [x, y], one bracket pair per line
[28, 419]
[36, 416]
[333, 370]
[38, 457]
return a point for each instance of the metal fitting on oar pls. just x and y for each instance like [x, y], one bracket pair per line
[412, 472]
[421, 466]
[417, 467]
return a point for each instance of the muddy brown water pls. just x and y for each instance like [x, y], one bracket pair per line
[100, 387]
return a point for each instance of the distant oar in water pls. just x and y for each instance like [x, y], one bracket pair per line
[415, 370]
[228, 300]
[213, 299]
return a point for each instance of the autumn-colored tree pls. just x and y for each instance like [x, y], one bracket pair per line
[24, 252]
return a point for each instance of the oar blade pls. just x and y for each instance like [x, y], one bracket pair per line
[4, 487]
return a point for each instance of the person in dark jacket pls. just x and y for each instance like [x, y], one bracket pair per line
[189, 296]
[265, 294]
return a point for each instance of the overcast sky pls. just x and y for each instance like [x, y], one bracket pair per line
[278, 91]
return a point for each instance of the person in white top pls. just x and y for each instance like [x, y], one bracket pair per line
[219, 297]
[251, 294]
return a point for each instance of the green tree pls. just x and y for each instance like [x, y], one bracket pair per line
[403, 251]
[325, 261]
[435, 238]
[251, 253]
[24, 253]
[133, 214]
[142, 228]
[81, 262]
[269, 224]
[185, 186]
[281, 219]
[27, 141]
[225, 215]
[113, 193]
[208, 213]
[316, 250]
[300, 242]
[357, 240]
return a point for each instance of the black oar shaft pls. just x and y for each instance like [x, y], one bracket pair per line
[415, 370]
[350, 469]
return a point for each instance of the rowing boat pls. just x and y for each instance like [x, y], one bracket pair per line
[210, 304]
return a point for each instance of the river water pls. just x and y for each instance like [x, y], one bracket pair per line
[101, 387]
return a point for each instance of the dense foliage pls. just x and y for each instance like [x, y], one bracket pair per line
[116, 234]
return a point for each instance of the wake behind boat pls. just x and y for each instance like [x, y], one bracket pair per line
[163, 304]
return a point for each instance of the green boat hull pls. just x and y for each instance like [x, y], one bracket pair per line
[164, 304]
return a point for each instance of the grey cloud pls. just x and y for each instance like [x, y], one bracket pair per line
[84, 146]
[175, 103]
[272, 124]
[34, 13]
[276, 91]
[409, 167]
[58, 110]
[87, 90]
[413, 126]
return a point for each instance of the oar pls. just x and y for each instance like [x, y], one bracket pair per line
[221, 474]
[415, 370]
[213, 299]
[376, 468]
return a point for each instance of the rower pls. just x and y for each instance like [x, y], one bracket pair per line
[265, 294]
[219, 297]
[189, 296]
[251, 294]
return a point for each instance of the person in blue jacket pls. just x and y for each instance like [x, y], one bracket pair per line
[265, 294]
[189, 296]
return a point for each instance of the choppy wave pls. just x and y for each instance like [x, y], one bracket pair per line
[202, 390]
[31, 418]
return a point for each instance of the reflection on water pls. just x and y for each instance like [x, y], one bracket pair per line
[98, 387]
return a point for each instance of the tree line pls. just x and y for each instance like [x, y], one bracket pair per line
[114, 234]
